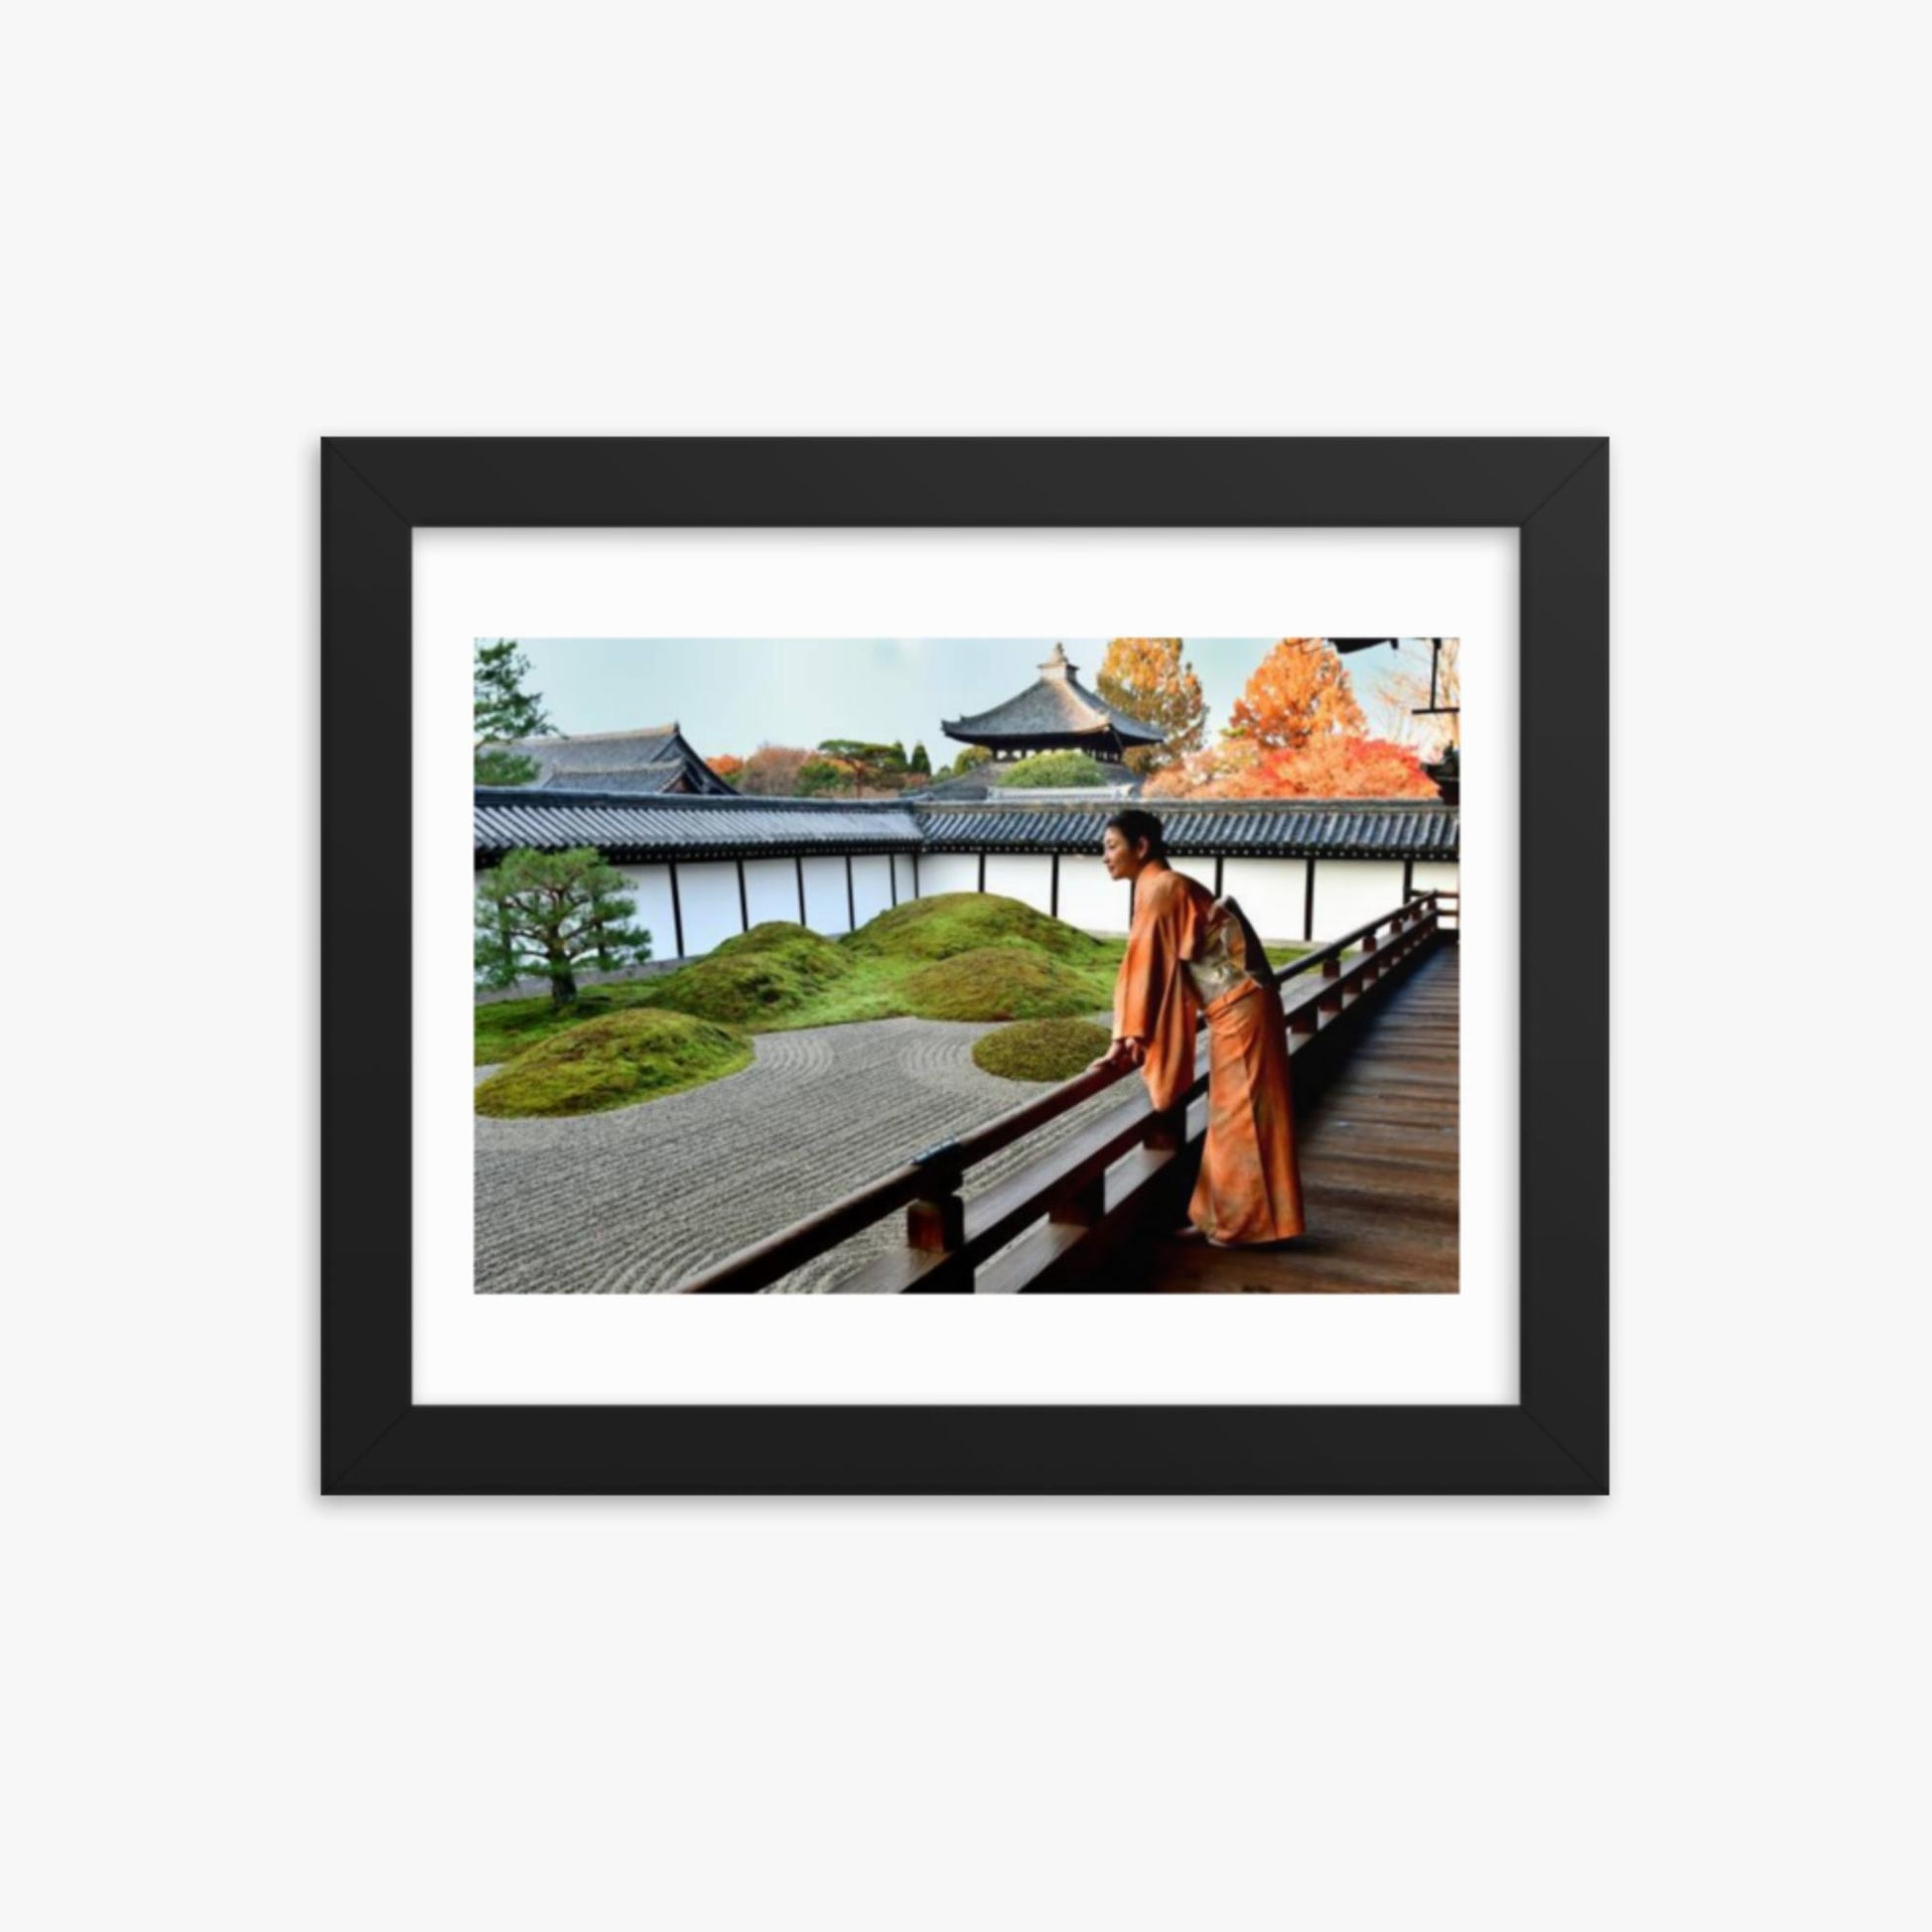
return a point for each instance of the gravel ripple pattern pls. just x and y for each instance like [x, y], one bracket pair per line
[638, 1201]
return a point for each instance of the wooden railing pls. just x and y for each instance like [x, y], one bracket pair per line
[1070, 1189]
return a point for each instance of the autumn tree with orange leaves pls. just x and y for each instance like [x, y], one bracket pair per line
[1298, 692]
[1146, 678]
[1334, 768]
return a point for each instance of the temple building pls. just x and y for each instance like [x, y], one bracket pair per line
[656, 759]
[1057, 714]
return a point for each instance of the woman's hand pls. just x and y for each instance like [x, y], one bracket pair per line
[1123, 1052]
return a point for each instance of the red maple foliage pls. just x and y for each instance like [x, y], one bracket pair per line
[1335, 765]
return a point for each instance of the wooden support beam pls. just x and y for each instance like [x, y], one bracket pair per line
[1082, 1206]
[677, 912]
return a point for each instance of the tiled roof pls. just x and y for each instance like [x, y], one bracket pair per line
[1364, 828]
[650, 778]
[1057, 706]
[602, 751]
[650, 760]
[626, 827]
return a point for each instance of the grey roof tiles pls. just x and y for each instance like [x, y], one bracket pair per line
[630, 827]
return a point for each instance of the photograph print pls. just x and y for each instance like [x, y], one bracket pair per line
[874, 966]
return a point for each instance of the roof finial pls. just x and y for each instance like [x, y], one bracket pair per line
[1057, 665]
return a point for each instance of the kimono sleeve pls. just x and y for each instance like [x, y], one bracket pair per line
[1153, 998]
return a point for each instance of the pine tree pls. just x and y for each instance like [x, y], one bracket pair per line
[920, 761]
[548, 915]
[1146, 678]
[505, 711]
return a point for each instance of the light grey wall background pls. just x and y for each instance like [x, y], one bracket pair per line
[1699, 1703]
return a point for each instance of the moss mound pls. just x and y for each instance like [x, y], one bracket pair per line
[735, 990]
[507, 1028]
[1040, 1050]
[1012, 982]
[803, 950]
[950, 923]
[612, 1063]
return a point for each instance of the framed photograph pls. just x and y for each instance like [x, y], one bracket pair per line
[853, 1014]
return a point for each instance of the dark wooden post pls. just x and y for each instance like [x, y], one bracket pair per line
[677, 912]
[1084, 1205]
[935, 1224]
[744, 902]
[1053, 902]
[851, 903]
[798, 860]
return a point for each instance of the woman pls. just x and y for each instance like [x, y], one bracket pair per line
[1249, 1189]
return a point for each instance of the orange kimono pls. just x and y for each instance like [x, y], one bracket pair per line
[1249, 1189]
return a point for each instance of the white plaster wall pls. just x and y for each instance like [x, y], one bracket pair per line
[708, 893]
[1273, 892]
[1027, 877]
[771, 890]
[902, 886]
[650, 887]
[1350, 892]
[948, 871]
[872, 885]
[1089, 898]
[1432, 873]
[826, 906]
[1201, 869]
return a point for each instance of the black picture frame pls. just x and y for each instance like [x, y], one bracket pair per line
[1554, 491]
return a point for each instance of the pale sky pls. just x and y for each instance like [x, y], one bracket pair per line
[733, 694]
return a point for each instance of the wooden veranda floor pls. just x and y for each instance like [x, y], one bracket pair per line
[1379, 1167]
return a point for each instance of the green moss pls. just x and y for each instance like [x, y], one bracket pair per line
[616, 1061]
[1040, 1050]
[507, 1028]
[957, 922]
[807, 952]
[779, 976]
[735, 989]
[999, 983]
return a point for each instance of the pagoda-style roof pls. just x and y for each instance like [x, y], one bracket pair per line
[1056, 714]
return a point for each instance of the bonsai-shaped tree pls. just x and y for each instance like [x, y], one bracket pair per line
[550, 914]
